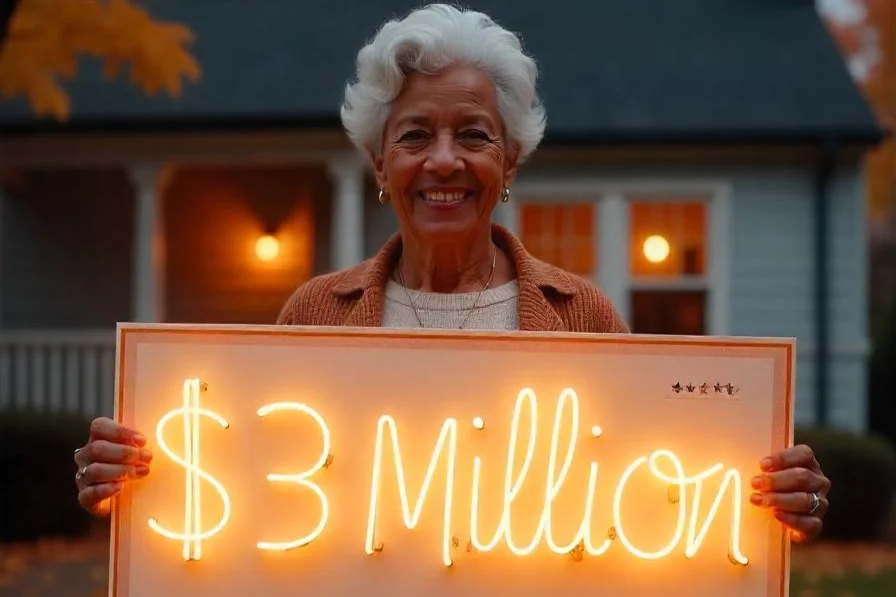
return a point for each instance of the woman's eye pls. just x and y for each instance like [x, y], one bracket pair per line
[412, 136]
[475, 135]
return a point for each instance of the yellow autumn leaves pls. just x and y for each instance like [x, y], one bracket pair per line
[47, 38]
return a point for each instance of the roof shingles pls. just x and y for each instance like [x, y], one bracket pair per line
[609, 69]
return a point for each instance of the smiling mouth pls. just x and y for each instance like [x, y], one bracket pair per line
[444, 198]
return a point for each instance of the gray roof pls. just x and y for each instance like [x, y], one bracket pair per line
[611, 70]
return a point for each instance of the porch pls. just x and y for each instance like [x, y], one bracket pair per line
[192, 232]
[58, 371]
[86, 245]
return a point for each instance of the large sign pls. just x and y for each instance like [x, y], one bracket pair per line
[348, 462]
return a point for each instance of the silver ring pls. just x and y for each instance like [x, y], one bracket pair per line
[81, 472]
[814, 503]
[78, 450]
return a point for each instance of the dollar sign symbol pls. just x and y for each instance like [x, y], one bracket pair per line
[193, 534]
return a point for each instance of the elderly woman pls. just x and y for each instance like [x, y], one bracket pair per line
[445, 108]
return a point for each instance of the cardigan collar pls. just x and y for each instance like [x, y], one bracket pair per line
[536, 280]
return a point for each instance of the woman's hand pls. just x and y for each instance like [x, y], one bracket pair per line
[113, 455]
[793, 486]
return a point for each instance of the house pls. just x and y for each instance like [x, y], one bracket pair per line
[703, 165]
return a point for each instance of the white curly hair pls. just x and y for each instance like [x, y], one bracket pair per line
[428, 40]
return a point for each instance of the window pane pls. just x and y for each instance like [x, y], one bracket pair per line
[668, 239]
[561, 234]
[674, 312]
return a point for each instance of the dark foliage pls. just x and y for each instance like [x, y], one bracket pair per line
[38, 497]
[862, 470]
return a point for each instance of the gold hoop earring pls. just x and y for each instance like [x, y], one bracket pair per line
[382, 197]
[505, 195]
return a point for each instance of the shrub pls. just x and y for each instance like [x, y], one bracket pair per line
[862, 470]
[882, 373]
[37, 493]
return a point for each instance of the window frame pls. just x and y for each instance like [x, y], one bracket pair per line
[558, 204]
[613, 199]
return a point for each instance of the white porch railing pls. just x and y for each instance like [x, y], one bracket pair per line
[58, 371]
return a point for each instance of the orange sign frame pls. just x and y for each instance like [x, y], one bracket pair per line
[350, 460]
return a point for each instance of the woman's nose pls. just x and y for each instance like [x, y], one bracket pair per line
[443, 158]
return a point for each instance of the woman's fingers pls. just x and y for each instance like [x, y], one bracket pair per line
[113, 454]
[791, 480]
[98, 472]
[106, 429]
[105, 451]
[95, 498]
[798, 502]
[793, 457]
[803, 528]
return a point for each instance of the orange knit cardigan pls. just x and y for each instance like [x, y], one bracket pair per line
[550, 299]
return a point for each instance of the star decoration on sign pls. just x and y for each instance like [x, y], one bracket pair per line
[704, 388]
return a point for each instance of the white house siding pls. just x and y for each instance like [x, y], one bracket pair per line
[849, 342]
[773, 279]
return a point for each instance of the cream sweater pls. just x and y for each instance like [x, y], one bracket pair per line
[497, 309]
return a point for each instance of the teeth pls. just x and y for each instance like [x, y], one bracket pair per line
[440, 197]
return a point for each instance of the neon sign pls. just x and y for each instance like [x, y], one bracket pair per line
[664, 465]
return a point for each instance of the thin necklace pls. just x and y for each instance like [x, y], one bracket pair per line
[475, 304]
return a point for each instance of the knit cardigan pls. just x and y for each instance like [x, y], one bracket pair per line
[550, 299]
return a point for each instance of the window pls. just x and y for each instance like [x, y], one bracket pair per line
[668, 240]
[561, 234]
[658, 248]
[676, 312]
[668, 267]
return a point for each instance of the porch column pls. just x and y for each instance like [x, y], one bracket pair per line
[148, 284]
[347, 224]
[613, 247]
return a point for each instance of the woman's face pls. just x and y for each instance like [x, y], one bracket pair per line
[445, 159]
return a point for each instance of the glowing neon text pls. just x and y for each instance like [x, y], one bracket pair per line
[301, 479]
[193, 534]
[664, 465]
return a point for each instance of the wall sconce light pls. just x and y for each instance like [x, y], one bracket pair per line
[271, 215]
[656, 249]
[267, 247]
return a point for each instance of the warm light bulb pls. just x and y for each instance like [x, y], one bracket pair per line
[656, 248]
[267, 248]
